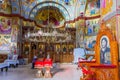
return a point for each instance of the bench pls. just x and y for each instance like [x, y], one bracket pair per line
[4, 66]
[14, 61]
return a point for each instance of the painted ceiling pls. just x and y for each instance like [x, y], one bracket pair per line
[67, 9]
[49, 15]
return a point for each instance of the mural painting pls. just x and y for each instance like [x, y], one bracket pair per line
[5, 45]
[14, 34]
[93, 8]
[5, 6]
[89, 42]
[5, 26]
[92, 26]
[8, 35]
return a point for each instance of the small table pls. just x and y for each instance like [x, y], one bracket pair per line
[39, 65]
[48, 66]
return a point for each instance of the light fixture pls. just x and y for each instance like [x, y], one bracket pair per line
[48, 34]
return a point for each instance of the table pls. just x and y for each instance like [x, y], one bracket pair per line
[47, 64]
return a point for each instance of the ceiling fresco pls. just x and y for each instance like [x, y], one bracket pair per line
[30, 7]
[62, 9]
[49, 15]
[68, 10]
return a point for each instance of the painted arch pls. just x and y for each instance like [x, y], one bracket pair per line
[31, 11]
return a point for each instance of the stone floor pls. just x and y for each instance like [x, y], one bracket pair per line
[59, 71]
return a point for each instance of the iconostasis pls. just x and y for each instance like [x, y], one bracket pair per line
[8, 34]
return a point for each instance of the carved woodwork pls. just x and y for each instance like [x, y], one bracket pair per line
[63, 57]
[104, 71]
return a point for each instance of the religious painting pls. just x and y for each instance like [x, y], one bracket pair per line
[93, 8]
[64, 47]
[92, 26]
[70, 48]
[50, 19]
[5, 6]
[40, 47]
[89, 42]
[14, 48]
[58, 48]
[15, 9]
[5, 25]
[14, 34]
[14, 0]
[15, 21]
[5, 45]
[24, 23]
[27, 2]
[81, 34]
[105, 50]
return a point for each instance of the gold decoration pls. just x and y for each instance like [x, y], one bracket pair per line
[52, 13]
[109, 4]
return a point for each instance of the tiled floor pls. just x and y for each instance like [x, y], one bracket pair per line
[59, 71]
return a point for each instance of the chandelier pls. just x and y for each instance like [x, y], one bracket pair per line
[48, 33]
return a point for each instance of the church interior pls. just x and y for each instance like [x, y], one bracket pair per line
[59, 39]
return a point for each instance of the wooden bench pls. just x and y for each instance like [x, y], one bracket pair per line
[4, 66]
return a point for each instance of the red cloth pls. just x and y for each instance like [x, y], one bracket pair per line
[85, 71]
[48, 62]
[45, 63]
[39, 64]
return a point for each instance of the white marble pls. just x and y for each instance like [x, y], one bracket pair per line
[59, 71]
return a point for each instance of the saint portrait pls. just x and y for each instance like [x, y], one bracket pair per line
[105, 50]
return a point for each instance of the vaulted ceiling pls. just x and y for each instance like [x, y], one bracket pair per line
[59, 10]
